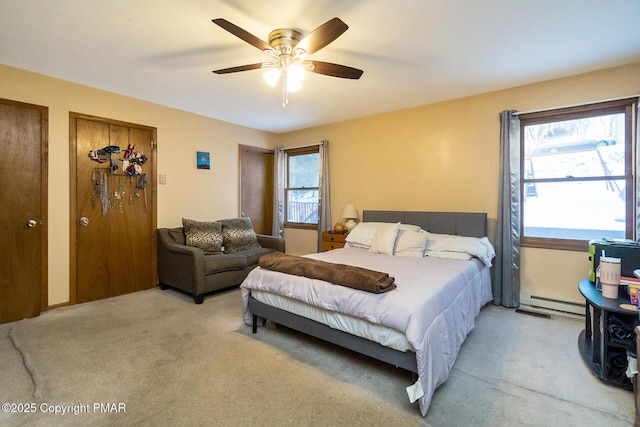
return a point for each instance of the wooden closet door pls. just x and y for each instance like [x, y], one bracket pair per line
[256, 187]
[114, 220]
[23, 198]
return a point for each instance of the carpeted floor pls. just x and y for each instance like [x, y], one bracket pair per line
[155, 358]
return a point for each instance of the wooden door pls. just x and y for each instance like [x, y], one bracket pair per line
[114, 221]
[256, 187]
[23, 199]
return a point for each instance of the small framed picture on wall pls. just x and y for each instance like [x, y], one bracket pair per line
[203, 160]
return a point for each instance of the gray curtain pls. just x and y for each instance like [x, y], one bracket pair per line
[324, 209]
[635, 141]
[278, 191]
[506, 277]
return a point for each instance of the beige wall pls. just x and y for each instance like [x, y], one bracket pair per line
[189, 192]
[436, 157]
[445, 156]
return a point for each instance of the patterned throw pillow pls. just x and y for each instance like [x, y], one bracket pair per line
[238, 235]
[204, 235]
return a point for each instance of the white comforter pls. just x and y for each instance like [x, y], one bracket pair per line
[434, 305]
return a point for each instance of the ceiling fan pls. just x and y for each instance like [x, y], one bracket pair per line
[289, 49]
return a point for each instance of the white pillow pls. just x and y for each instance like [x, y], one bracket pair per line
[474, 246]
[385, 239]
[363, 234]
[434, 238]
[410, 243]
[448, 255]
[410, 227]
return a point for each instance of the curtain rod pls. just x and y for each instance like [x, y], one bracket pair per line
[301, 146]
[575, 105]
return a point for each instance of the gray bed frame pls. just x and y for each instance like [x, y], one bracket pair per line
[459, 223]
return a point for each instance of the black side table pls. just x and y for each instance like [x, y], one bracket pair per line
[604, 342]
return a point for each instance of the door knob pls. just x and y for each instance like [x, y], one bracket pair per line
[84, 221]
[32, 223]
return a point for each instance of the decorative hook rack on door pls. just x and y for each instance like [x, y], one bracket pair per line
[123, 172]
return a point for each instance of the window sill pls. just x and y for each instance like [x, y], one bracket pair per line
[557, 244]
[301, 226]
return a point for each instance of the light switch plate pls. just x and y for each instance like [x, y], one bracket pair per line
[163, 178]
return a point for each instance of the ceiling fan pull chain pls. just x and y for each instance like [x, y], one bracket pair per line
[285, 91]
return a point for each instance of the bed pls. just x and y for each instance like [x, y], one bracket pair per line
[419, 326]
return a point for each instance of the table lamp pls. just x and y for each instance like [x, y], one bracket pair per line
[351, 215]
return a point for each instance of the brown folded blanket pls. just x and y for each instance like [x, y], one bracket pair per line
[340, 274]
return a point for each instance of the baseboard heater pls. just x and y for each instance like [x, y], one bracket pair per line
[534, 301]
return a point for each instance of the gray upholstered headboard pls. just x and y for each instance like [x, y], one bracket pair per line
[459, 223]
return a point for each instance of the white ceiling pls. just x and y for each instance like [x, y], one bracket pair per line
[413, 52]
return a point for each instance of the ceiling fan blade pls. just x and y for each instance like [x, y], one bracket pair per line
[322, 36]
[238, 69]
[335, 70]
[242, 34]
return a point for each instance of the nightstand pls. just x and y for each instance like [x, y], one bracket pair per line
[332, 240]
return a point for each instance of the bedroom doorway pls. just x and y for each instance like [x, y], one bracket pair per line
[23, 139]
[256, 187]
[113, 208]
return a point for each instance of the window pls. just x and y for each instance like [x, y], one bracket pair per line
[577, 180]
[302, 187]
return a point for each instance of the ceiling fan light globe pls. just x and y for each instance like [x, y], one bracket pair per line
[294, 85]
[272, 75]
[295, 72]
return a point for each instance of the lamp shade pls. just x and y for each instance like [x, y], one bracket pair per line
[350, 212]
